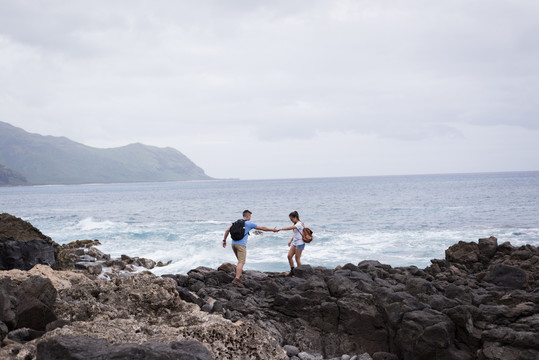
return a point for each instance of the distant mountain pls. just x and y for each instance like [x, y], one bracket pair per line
[10, 177]
[57, 160]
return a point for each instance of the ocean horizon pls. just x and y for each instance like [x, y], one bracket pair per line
[399, 220]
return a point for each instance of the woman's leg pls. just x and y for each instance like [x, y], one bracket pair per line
[298, 256]
[291, 253]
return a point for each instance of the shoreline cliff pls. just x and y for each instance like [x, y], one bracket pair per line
[72, 301]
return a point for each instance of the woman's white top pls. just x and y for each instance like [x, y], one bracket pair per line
[298, 239]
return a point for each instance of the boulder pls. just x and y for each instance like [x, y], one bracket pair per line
[145, 308]
[12, 227]
[291, 350]
[227, 267]
[303, 271]
[465, 253]
[15, 253]
[380, 355]
[28, 305]
[481, 302]
[8, 303]
[83, 347]
[25, 255]
[36, 298]
[24, 335]
[3, 331]
[488, 247]
[364, 356]
[507, 276]
[93, 268]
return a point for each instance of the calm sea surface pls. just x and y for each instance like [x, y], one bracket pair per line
[398, 220]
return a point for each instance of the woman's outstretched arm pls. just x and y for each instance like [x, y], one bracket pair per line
[288, 228]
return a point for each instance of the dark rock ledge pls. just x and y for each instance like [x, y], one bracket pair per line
[480, 302]
[22, 246]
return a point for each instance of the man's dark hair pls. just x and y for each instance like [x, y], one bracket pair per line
[245, 212]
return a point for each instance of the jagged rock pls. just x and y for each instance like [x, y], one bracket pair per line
[145, 308]
[227, 267]
[3, 331]
[8, 303]
[488, 247]
[12, 227]
[364, 356]
[27, 305]
[24, 335]
[306, 356]
[36, 298]
[507, 276]
[83, 347]
[60, 279]
[22, 245]
[446, 311]
[303, 271]
[497, 351]
[25, 255]
[291, 350]
[92, 267]
[482, 302]
[463, 253]
[384, 356]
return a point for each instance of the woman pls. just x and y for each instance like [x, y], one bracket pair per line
[297, 241]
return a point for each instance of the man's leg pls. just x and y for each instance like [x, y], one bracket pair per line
[239, 270]
[241, 255]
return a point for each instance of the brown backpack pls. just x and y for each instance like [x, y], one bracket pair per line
[307, 234]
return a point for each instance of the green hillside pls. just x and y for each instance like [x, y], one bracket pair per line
[10, 177]
[58, 160]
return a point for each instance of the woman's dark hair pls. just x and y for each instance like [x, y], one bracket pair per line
[294, 214]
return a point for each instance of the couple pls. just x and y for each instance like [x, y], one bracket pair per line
[240, 246]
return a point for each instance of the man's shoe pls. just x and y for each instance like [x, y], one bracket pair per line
[237, 282]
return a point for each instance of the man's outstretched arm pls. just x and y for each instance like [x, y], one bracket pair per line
[263, 228]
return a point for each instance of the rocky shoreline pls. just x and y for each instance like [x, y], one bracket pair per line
[74, 302]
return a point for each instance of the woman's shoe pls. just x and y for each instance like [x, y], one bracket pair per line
[291, 273]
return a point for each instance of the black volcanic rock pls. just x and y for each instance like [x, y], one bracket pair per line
[507, 276]
[14, 228]
[28, 305]
[22, 246]
[25, 255]
[36, 298]
[83, 347]
[480, 301]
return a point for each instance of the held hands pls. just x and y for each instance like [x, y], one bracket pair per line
[275, 229]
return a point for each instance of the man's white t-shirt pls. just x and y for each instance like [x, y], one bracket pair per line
[298, 239]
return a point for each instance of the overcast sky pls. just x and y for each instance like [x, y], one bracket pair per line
[286, 88]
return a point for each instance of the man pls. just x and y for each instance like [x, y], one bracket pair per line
[240, 246]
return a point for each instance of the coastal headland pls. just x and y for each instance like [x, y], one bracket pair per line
[73, 302]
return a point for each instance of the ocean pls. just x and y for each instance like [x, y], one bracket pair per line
[398, 220]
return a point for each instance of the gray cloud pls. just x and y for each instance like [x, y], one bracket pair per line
[193, 74]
